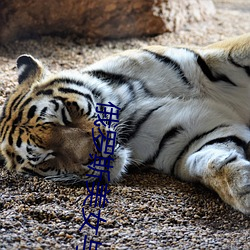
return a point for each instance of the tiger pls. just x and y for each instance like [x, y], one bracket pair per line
[183, 110]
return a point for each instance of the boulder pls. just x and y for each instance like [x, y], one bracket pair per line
[98, 19]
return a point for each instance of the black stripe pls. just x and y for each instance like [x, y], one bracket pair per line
[3, 124]
[26, 103]
[21, 131]
[56, 105]
[31, 172]
[232, 160]
[109, 77]
[167, 137]
[13, 128]
[213, 77]
[10, 113]
[231, 60]
[96, 92]
[205, 69]
[19, 142]
[43, 125]
[124, 106]
[31, 112]
[173, 64]
[19, 159]
[13, 106]
[112, 79]
[29, 149]
[43, 111]
[10, 139]
[2, 130]
[64, 117]
[3, 114]
[192, 141]
[209, 74]
[16, 121]
[135, 127]
[119, 79]
[73, 91]
[67, 81]
[232, 138]
[45, 92]
[146, 90]
[61, 99]
[18, 118]
[3, 135]
[89, 109]
[35, 158]
[132, 91]
[17, 101]
[131, 99]
[2, 160]
[42, 114]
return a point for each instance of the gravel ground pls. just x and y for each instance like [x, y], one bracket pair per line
[147, 210]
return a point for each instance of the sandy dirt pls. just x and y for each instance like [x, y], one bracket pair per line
[146, 210]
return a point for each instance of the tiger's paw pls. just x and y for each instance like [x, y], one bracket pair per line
[232, 182]
[122, 160]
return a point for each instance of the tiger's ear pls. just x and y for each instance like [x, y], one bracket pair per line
[29, 69]
[235, 49]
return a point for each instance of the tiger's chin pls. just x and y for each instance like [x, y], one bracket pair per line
[121, 159]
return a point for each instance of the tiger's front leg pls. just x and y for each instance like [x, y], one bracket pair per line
[223, 169]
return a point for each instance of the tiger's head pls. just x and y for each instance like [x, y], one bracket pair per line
[47, 127]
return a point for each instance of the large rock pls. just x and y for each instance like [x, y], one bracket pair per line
[97, 18]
